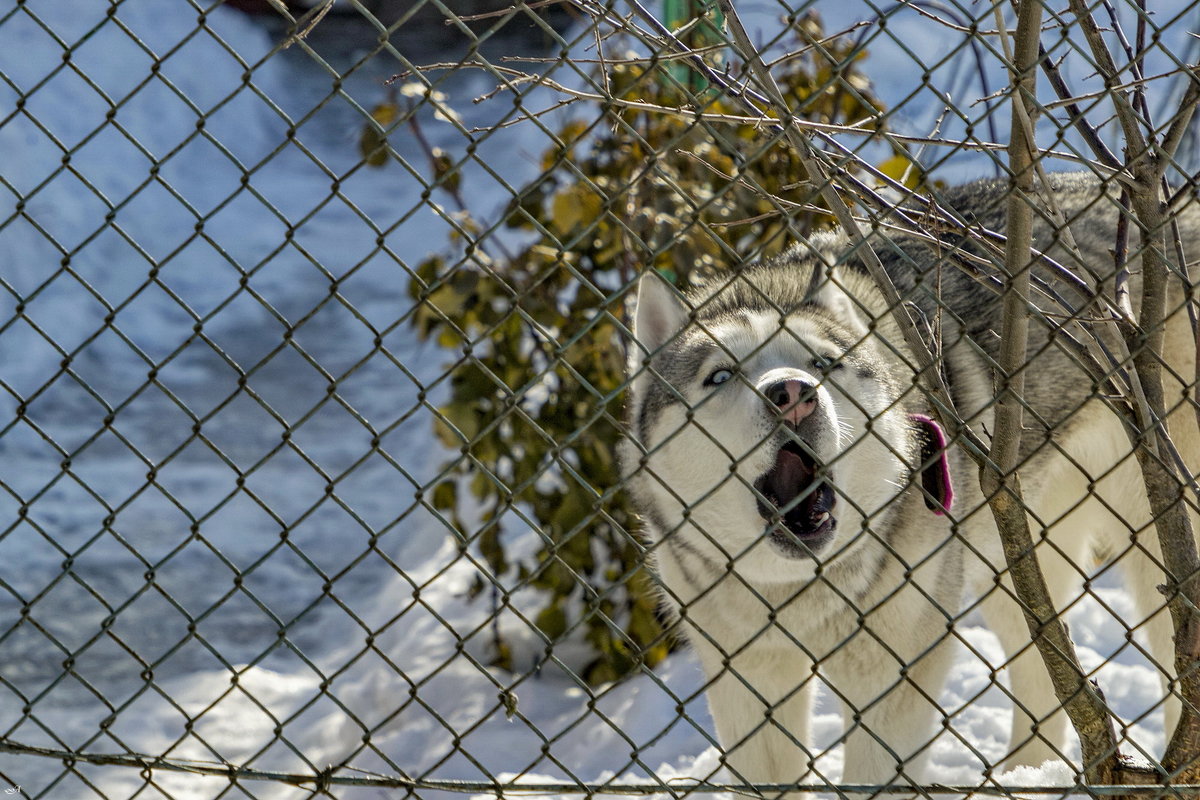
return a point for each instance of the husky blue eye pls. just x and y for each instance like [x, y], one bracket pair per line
[827, 363]
[718, 377]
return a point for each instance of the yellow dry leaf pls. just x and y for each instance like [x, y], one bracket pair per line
[574, 206]
[373, 144]
[902, 169]
[385, 113]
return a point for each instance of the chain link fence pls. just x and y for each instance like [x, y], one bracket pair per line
[390, 403]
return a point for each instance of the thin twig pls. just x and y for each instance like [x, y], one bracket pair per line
[308, 23]
[500, 12]
[1137, 83]
[1078, 119]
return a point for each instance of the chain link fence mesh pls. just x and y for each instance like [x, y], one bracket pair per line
[314, 324]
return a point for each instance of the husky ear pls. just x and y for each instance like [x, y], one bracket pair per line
[832, 297]
[659, 312]
[933, 467]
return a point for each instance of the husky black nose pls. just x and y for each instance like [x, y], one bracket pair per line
[794, 397]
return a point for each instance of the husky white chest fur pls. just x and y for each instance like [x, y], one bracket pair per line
[807, 517]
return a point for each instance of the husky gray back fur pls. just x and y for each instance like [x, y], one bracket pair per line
[805, 517]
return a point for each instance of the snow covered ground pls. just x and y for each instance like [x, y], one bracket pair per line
[152, 558]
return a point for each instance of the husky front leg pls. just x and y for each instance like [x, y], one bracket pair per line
[891, 711]
[761, 702]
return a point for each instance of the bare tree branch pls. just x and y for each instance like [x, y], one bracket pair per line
[1080, 699]
[1147, 164]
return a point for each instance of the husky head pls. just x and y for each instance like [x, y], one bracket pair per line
[769, 427]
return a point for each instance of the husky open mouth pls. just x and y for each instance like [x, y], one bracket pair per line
[798, 500]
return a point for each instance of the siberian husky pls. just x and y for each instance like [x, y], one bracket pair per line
[806, 515]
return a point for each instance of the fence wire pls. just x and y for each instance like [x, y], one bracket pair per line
[578, 397]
